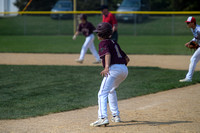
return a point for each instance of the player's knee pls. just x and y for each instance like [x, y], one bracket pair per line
[103, 93]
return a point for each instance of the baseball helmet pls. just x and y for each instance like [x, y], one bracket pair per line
[104, 28]
[83, 16]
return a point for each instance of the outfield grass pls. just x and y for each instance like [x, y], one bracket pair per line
[64, 44]
[27, 91]
[44, 25]
[34, 25]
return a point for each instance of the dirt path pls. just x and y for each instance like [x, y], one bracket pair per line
[173, 111]
[164, 61]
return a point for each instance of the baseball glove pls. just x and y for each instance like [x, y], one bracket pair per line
[193, 45]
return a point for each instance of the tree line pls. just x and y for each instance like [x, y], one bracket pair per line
[94, 5]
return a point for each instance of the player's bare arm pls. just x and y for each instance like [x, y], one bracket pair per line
[105, 72]
[75, 35]
[114, 28]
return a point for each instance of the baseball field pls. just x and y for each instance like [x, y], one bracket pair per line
[43, 89]
[37, 87]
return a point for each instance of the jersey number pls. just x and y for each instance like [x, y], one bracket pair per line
[118, 53]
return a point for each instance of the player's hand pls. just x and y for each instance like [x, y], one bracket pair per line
[127, 60]
[105, 72]
[74, 37]
[187, 44]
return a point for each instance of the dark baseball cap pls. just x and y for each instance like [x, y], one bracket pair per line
[83, 16]
[104, 7]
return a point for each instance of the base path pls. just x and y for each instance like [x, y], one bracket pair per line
[173, 111]
[164, 61]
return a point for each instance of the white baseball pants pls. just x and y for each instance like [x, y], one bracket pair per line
[193, 62]
[118, 73]
[89, 43]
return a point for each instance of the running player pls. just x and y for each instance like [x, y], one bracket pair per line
[115, 71]
[87, 29]
[191, 23]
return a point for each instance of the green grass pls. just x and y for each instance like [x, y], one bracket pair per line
[44, 25]
[28, 91]
[34, 25]
[65, 44]
[153, 35]
[156, 25]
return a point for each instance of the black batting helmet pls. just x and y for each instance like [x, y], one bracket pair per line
[104, 30]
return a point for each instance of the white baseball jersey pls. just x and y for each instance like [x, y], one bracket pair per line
[196, 56]
[196, 34]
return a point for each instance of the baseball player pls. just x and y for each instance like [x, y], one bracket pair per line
[87, 29]
[191, 23]
[114, 61]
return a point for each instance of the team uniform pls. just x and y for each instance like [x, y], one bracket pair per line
[196, 56]
[87, 30]
[118, 72]
[110, 18]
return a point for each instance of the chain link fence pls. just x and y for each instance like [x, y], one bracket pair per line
[128, 24]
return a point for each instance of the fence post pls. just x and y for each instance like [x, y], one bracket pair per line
[75, 15]
[59, 18]
[135, 22]
[172, 24]
[24, 16]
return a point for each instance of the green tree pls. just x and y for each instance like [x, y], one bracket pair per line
[46, 5]
[94, 5]
[185, 5]
[113, 4]
[89, 5]
[36, 5]
[160, 5]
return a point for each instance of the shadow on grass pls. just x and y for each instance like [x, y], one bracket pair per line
[150, 123]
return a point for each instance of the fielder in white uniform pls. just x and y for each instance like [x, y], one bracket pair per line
[191, 23]
[87, 29]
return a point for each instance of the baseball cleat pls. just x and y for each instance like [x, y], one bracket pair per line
[96, 62]
[185, 80]
[100, 122]
[115, 119]
[79, 61]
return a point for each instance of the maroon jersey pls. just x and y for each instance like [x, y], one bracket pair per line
[86, 28]
[112, 47]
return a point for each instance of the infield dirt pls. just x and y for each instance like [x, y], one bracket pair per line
[173, 111]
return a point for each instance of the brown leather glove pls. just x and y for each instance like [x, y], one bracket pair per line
[192, 45]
